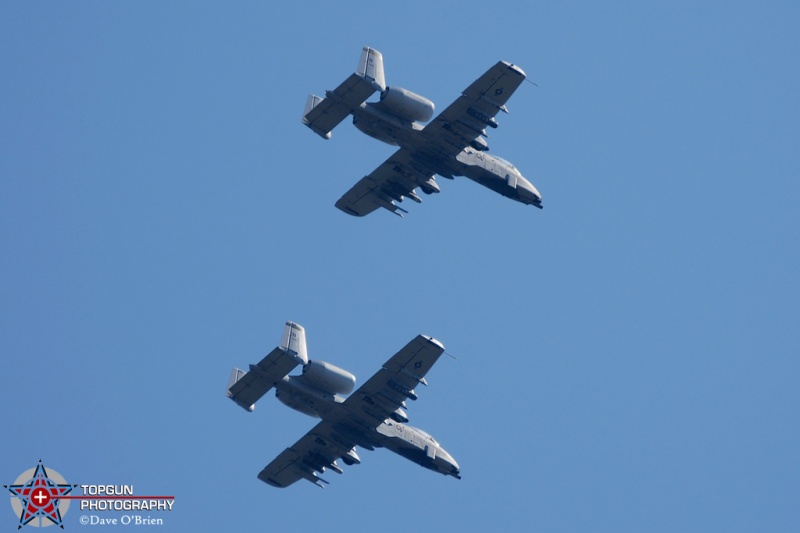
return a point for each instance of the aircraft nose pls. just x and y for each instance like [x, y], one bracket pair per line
[455, 471]
[451, 466]
[528, 193]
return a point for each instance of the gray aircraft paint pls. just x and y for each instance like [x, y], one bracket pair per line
[369, 417]
[453, 144]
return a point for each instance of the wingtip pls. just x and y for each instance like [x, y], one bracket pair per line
[515, 68]
[433, 341]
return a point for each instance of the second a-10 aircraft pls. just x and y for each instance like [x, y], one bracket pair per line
[453, 144]
[374, 416]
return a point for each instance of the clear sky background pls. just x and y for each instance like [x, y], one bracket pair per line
[627, 358]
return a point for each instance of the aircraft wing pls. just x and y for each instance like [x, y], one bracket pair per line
[366, 409]
[315, 452]
[395, 179]
[387, 390]
[466, 119]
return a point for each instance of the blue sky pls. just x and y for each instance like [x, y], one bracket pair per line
[627, 358]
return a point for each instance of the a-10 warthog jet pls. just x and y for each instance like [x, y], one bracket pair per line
[372, 417]
[453, 144]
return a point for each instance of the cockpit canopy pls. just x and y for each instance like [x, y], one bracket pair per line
[506, 162]
[428, 436]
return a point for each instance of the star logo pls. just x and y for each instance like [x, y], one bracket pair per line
[35, 497]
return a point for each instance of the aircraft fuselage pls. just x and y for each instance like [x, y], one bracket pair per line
[492, 172]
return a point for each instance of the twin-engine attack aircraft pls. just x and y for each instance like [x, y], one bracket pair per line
[452, 145]
[372, 417]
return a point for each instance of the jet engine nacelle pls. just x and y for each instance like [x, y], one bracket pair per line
[405, 104]
[328, 377]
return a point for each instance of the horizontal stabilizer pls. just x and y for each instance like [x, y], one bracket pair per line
[236, 375]
[324, 114]
[246, 388]
[312, 102]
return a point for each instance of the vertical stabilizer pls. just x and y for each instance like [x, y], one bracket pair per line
[370, 67]
[236, 375]
[293, 342]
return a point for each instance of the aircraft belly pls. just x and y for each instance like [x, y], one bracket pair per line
[488, 180]
[382, 126]
[414, 454]
[305, 399]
